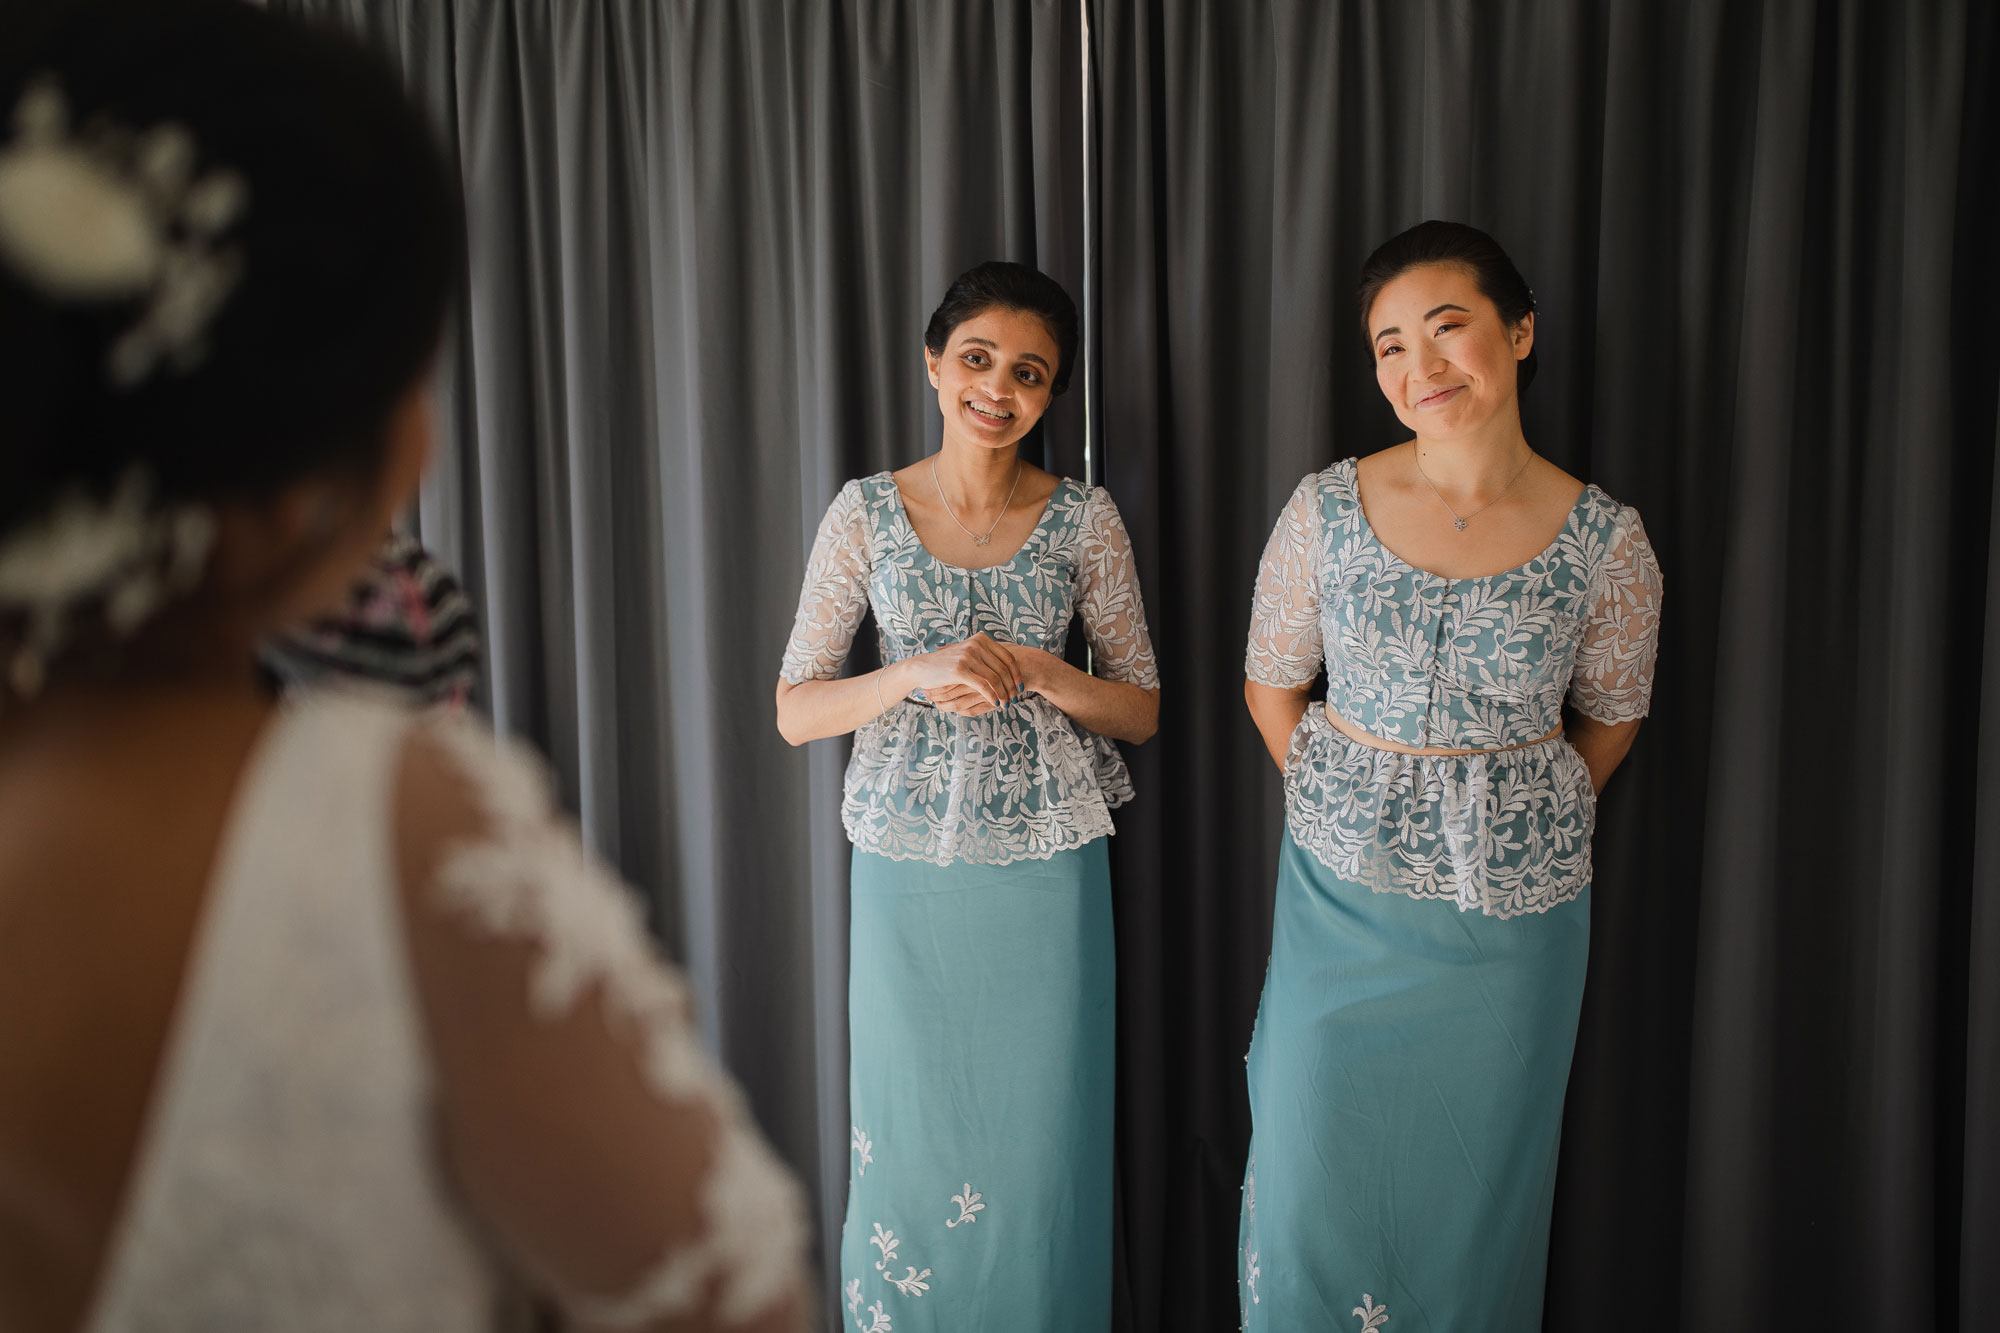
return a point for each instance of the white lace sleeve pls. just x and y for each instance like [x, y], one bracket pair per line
[1613, 681]
[590, 1130]
[835, 594]
[1284, 646]
[1109, 604]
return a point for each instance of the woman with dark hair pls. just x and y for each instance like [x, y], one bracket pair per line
[979, 797]
[316, 1016]
[1432, 915]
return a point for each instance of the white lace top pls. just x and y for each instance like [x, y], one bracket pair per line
[290, 1173]
[1452, 663]
[1022, 781]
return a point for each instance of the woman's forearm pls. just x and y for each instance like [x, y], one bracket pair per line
[815, 709]
[1276, 713]
[1108, 707]
[1602, 745]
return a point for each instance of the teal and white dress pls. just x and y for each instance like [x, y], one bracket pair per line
[1432, 915]
[980, 981]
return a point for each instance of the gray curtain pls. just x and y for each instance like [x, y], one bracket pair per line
[705, 236]
[1762, 239]
[704, 241]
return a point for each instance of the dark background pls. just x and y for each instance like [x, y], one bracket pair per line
[705, 236]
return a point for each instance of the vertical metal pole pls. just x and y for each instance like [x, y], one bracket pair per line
[1086, 120]
[1089, 253]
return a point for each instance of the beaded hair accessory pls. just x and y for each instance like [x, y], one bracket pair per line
[107, 215]
[114, 215]
[127, 550]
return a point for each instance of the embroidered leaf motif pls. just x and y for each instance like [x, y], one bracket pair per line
[968, 1205]
[866, 1147]
[1016, 784]
[854, 1297]
[1251, 1273]
[884, 1241]
[914, 1284]
[1373, 1315]
[879, 1323]
[1476, 663]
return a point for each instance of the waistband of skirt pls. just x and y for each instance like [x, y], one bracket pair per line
[1370, 741]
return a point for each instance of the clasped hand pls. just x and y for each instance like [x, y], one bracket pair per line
[977, 675]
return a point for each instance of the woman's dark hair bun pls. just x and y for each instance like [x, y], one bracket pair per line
[999, 285]
[350, 248]
[1437, 242]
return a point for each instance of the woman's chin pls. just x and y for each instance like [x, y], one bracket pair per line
[980, 436]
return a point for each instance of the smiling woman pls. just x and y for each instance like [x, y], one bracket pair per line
[1432, 916]
[978, 800]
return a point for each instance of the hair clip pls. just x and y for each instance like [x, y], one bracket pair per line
[127, 550]
[115, 216]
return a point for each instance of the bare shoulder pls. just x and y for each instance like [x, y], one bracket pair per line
[1547, 477]
[1393, 461]
[1387, 471]
[1037, 485]
[1550, 491]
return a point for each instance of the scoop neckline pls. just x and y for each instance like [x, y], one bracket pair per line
[1353, 484]
[1048, 507]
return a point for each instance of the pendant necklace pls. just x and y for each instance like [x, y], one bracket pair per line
[1456, 521]
[978, 540]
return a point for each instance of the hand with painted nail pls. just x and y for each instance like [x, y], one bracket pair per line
[971, 677]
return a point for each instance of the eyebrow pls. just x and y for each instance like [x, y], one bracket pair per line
[1428, 316]
[1025, 356]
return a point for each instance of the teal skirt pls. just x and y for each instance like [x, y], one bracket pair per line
[980, 1006]
[1406, 1094]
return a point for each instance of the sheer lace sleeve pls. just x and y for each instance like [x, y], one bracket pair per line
[835, 594]
[1113, 613]
[1613, 681]
[1284, 646]
[585, 1125]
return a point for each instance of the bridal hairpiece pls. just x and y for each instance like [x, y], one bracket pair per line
[127, 550]
[113, 214]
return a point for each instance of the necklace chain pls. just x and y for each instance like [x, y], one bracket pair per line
[1005, 505]
[1460, 520]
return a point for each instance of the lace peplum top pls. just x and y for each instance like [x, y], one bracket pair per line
[1023, 781]
[1479, 663]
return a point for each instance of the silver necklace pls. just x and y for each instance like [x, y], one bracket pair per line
[1456, 520]
[1005, 505]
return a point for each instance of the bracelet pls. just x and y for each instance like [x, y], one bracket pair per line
[880, 707]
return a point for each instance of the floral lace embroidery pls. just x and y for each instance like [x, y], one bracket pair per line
[913, 1284]
[969, 1207]
[1473, 663]
[1251, 1272]
[884, 1241]
[878, 1320]
[866, 1147]
[1022, 782]
[1504, 833]
[533, 880]
[1372, 1315]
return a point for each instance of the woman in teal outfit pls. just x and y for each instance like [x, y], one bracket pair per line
[978, 800]
[1432, 914]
